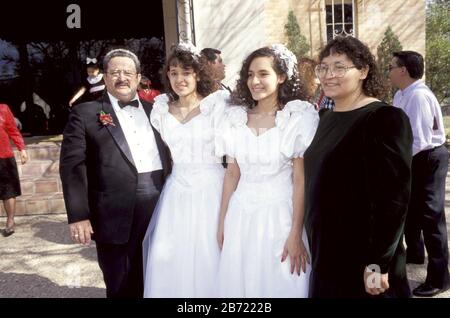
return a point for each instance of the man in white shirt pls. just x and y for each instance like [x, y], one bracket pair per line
[113, 165]
[429, 169]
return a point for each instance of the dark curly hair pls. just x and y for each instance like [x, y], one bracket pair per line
[292, 88]
[373, 85]
[206, 84]
[306, 72]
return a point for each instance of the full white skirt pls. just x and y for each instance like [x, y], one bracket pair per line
[181, 253]
[257, 225]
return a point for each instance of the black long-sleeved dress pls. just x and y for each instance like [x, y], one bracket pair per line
[357, 183]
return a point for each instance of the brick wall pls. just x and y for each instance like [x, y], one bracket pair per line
[406, 17]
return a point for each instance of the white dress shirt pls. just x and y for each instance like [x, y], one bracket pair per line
[424, 113]
[139, 135]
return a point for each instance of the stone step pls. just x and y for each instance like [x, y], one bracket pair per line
[37, 152]
[40, 185]
[39, 204]
[39, 177]
[38, 168]
[41, 151]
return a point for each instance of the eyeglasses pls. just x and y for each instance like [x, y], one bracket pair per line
[338, 70]
[390, 67]
[116, 74]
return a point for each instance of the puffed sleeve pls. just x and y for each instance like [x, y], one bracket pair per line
[298, 122]
[215, 105]
[159, 111]
[225, 133]
[388, 160]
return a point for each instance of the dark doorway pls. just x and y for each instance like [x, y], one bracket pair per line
[43, 51]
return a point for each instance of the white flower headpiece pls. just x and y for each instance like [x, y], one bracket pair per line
[287, 56]
[189, 47]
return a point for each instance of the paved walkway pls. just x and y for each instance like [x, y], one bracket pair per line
[39, 260]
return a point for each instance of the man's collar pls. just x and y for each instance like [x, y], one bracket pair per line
[411, 86]
[115, 101]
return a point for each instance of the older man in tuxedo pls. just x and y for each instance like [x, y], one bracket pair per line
[113, 165]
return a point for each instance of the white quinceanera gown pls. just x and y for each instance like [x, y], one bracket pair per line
[259, 215]
[181, 252]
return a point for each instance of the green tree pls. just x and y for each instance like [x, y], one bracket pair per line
[388, 45]
[437, 59]
[297, 42]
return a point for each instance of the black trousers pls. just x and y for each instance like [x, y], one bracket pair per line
[121, 264]
[426, 214]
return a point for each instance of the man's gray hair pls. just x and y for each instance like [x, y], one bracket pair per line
[121, 53]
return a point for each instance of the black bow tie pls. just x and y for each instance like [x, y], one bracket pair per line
[134, 103]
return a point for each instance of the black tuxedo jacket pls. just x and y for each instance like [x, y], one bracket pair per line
[98, 174]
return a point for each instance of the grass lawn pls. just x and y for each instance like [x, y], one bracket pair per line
[447, 125]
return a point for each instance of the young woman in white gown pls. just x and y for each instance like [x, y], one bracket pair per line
[264, 247]
[181, 253]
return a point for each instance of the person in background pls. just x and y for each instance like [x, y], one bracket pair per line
[426, 212]
[145, 90]
[214, 60]
[324, 102]
[94, 85]
[9, 176]
[306, 68]
[316, 95]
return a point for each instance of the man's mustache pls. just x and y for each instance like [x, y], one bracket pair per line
[119, 83]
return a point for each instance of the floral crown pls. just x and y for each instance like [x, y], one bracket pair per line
[190, 48]
[289, 59]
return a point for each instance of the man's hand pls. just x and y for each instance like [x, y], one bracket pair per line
[375, 283]
[81, 232]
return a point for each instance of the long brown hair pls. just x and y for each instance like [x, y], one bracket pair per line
[292, 88]
[186, 60]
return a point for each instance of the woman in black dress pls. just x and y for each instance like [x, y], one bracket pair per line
[357, 181]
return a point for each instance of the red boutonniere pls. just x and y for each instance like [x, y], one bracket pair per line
[105, 119]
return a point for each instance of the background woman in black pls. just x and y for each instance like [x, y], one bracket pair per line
[357, 181]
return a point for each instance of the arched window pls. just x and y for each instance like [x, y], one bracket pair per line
[340, 18]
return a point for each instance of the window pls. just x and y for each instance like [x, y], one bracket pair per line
[340, 18]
